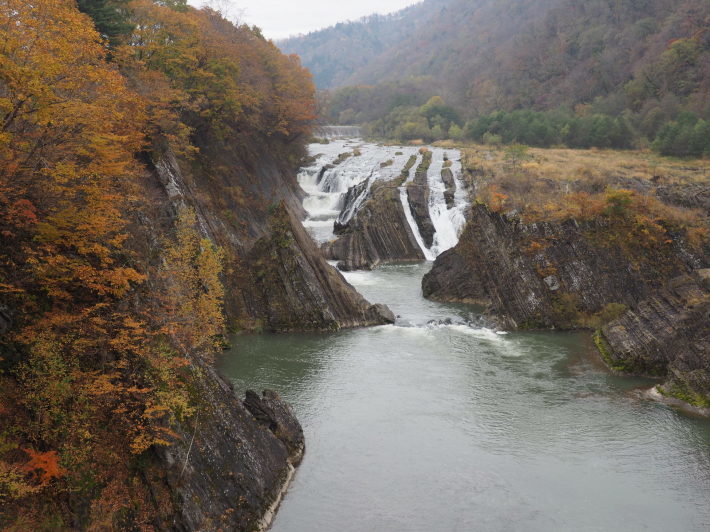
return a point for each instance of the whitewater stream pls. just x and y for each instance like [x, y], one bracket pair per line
[440, 423]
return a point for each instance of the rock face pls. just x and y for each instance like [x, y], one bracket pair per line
[353, 199]
[293, 288]
[377, 234]
[418, 194]
[271, 412]
[537, 275]
[228, 466]
[447, 176]
[449, 283]
[557, 275]
[667, 334]
[232, 462]
[279, 279]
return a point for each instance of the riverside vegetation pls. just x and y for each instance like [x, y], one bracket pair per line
[146, 148]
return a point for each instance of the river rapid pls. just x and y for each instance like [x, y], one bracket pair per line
[441, 423]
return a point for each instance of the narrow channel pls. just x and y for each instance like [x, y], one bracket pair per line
[441, 423]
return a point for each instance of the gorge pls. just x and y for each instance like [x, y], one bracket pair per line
[442, 420]
[214, 308]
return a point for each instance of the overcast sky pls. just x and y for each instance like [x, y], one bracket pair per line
[283, 18]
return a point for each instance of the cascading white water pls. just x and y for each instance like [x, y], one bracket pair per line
[338, 132]
[448, 223]
[365, 164]
[404, 198]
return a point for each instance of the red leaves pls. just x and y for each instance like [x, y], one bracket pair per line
[43, 467]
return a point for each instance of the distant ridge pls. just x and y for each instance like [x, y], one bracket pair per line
[646, 61]
[333, 54]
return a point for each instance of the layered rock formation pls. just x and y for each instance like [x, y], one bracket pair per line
[233, 459]
[572, 275]
[418, 195]
[447, 176]
[378, 234]
[543, 275]
[667, 334]
[294, 289]
[279, 280]
[228, 467]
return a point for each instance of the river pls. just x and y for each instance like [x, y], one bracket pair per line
[440, 423]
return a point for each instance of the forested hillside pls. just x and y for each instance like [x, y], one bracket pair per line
[333, 54]
[112, 286]
[639, 69]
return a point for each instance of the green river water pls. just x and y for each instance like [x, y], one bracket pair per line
[431, 425]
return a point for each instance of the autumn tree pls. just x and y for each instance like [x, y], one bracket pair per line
[94, 371]
[191, 271]
[73, 372]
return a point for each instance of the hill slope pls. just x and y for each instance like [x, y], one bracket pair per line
[649, 59]
[334, 54]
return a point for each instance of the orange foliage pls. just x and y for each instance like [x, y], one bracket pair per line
[44, 467]
[195, 67]
[102, 372]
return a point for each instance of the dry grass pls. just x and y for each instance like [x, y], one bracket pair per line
[557, 184]
[568, 165]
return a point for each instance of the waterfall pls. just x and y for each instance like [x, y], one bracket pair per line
[340, 180]
[338, 132]
[404, 198]
[448, 223]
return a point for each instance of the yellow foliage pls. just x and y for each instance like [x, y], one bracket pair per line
[195, 292]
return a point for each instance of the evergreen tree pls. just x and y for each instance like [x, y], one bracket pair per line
[110, 18]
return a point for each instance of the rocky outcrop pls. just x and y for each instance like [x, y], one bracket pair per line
[293, 288]
[692, 196]
[653, 297]
[352, 201]
[379, 233]
[544, 275]
[666, 334]
[271, 412]
[447, 176]
[232, 460]
[449, 284]
[418, 195]
[227, 468]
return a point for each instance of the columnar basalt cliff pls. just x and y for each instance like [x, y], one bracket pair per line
[379, 233]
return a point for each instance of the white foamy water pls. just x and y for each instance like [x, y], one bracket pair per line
[404, 198]
[366, 164]
[327, 187]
